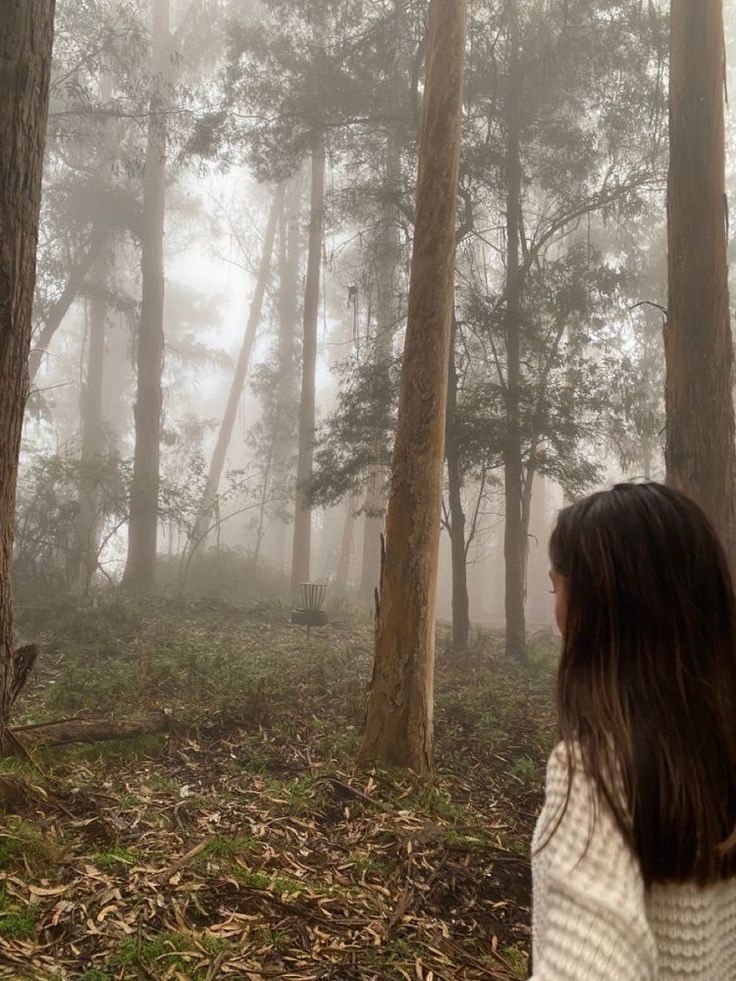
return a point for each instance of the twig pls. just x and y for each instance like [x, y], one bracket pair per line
[182, 861]
[214, 968]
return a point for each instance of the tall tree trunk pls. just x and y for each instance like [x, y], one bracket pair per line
[88, 525]
[514, 539]
[143, 524]
[698, 346]
[26, 34]
[60, 308]
[88, 522]
[387, 262]
[266, 484]
[300, 563]
[460, 599]
[342, 574]
[225, 432]
[284, 445]
[539, 608]
[398, 726]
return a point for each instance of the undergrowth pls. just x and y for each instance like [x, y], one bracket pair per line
[258, 777]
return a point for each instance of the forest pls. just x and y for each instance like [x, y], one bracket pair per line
[313, 314]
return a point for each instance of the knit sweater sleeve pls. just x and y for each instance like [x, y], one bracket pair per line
[589, 916]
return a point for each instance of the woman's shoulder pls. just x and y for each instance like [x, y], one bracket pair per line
[565, 770]
[576, 817]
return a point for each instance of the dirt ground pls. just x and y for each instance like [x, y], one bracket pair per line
[243, 843]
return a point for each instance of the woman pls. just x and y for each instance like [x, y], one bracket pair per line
[634, 854]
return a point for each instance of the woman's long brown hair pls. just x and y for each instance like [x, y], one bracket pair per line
[647, 678]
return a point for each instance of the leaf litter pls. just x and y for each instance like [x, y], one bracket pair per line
[252, 848]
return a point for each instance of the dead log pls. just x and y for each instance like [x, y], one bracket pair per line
[65, 731]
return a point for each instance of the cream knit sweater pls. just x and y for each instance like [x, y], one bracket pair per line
[592, 919]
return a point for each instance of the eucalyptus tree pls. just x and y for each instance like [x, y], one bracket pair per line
[143, 525]
[398, 727]
[26, 36]
[310, 75]
[551, 162]
[90, 196]
[225, 431]
[567, 115]
[176, 42]
[699, 349]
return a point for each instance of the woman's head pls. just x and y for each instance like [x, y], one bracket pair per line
[647, 679]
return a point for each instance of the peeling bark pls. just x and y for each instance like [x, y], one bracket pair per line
[398, 728]
[26, 35]
[387, 262]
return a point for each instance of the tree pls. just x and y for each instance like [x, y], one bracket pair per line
[316, 77]
[283, 435]
[456, 519]
[698, 346]
[386, 261]
[514, 546]
[548, 168]
[90, 173]
[398, 727]
[91, 396]
[300, 564]
[142, 531]
[241, 370]
[26, 35]
[92, 432]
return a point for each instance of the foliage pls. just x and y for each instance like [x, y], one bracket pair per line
[358, 433]
[46, 541]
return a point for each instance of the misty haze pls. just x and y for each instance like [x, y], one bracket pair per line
[336, 306]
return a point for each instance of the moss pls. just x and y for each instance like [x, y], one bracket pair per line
[252, 878]
[16, 922]
[516, 959]
[115, 859]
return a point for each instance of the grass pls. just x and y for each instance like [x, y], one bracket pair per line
[374, 867]
[223, 849]
[299, 796]
[517, 960]
[16, 922]
[115, 860]
[267, 725]
[23, 844]
[168, 951]
[251, 878]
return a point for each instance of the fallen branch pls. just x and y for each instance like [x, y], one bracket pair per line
[65, 731]
[180, 862]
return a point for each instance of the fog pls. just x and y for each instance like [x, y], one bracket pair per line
[338, 304]
[237, 99]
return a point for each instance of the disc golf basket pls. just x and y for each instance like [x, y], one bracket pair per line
[311, 613]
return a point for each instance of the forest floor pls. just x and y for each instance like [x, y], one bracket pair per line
[243, 843]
